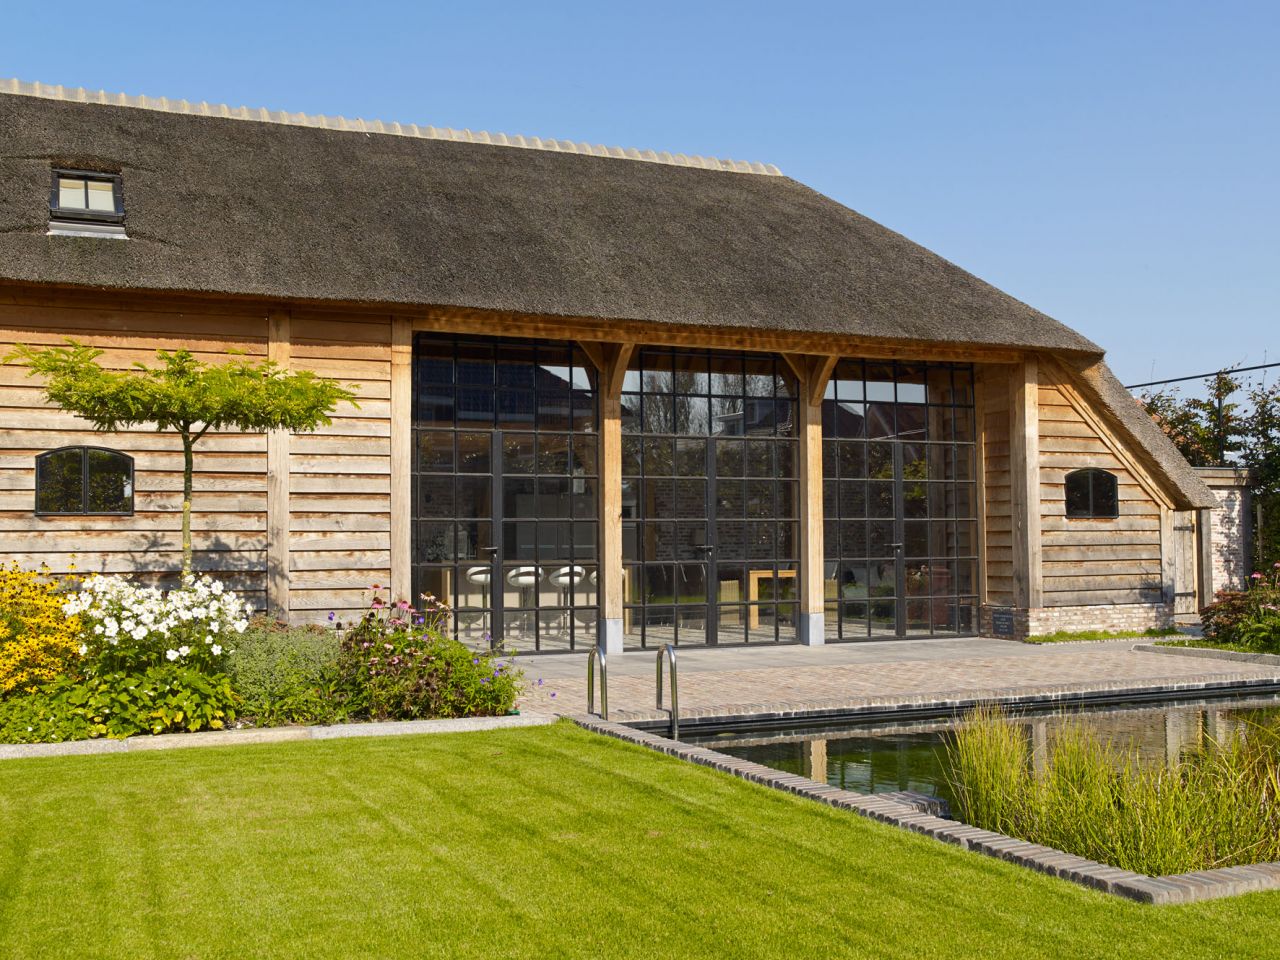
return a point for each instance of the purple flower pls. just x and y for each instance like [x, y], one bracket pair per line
[331, 616]
[475, 662]
[553, 694]
[539, 681]
[484, 679]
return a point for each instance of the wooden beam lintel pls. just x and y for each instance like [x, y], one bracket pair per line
[588, 330]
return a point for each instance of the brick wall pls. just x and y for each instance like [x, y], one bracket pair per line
[1112, 616]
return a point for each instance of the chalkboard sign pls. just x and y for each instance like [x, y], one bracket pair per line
[1002, 621]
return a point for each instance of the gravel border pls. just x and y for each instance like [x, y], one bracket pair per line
[928, 816]
[240, 738]
[1212, 653]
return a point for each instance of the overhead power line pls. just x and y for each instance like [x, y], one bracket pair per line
[1201, 376]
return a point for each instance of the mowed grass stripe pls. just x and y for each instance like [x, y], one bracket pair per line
[518, 843]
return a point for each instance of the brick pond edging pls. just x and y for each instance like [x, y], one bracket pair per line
[248, 735]
[926, 815]
[1210, 653]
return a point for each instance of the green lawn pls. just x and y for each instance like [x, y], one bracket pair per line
[543, 842]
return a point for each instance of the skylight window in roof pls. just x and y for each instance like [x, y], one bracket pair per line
[86, 202]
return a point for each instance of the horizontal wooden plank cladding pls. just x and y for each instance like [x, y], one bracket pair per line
[229, 519]
[1091, 598]
[149, 561]
[1093, 561]
[340, 475]
[371, 563]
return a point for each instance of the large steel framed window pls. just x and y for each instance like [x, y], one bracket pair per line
[710, 536]
[505, 481]
[899, 500]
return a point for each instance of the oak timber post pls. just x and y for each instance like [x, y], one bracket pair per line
[401, 456]
[611, 361]
[1024, 449]
[813, 373]
[278, 481]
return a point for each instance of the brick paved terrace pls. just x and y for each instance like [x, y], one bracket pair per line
[780, 679]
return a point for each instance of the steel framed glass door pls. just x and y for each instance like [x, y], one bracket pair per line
[504, 490]
[899, 501]
[710, 538]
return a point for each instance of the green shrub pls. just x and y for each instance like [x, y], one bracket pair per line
[286, 674]
[163, 699]
[1248, 619]
[1072, 636]
[1214, 808]
[395, 664]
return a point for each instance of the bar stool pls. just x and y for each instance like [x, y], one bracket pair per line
[524, 579]
[566, 578]
[482, 577]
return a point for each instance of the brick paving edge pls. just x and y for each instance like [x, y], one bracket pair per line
[953, 700]
[1211, 653]
[929, 816]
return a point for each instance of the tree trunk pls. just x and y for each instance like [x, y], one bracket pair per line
[188, 462]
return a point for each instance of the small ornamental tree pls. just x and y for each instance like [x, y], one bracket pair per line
[185, 396]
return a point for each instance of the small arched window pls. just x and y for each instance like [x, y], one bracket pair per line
[1092, 493]
[84, 480]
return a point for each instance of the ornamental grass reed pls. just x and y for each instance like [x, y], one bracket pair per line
[1216, 806]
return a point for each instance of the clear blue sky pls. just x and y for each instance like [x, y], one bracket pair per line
[1116, 165]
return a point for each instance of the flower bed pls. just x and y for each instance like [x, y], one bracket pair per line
[1247, 620]
[107, 657]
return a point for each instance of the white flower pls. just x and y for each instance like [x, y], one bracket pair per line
[139, 633]
[213, 627]
[171, 655]
[241, 625]
[217, 650]
[98, 629]
[83, 649]
[184, 650]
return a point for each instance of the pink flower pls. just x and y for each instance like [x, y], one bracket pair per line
[1255, 576]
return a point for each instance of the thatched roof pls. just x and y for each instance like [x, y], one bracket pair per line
[271, 209]
[291, 208]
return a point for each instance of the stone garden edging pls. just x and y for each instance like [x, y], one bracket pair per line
[921, 814]
[1212, 653]
[252, 735]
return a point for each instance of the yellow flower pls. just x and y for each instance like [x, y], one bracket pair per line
[38, 642]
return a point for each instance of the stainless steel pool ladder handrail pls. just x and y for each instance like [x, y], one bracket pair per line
[604, 682]
[668, 652]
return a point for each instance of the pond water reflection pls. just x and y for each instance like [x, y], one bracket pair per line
[885, 757]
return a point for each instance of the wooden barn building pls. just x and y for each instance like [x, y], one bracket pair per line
[604, 395]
